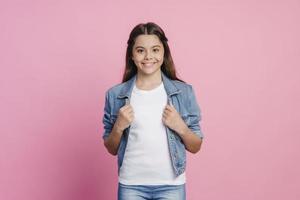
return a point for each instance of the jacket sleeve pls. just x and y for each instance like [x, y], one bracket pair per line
[194, 114]
[107, 124]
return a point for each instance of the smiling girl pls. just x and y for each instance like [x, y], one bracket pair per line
[150, 120]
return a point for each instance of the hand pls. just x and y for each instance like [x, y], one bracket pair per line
[125, 117]
[173, 120]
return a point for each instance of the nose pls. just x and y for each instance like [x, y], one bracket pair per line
[148, 56]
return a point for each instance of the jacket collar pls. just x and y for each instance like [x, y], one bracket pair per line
[170, 87]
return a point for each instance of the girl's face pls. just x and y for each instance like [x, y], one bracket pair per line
[148, 54]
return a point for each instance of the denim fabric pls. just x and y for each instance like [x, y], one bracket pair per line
[155, 192]
[180, 95]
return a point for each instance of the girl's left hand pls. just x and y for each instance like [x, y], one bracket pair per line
[173, 120]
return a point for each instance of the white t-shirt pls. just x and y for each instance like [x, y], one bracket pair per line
[147, 158]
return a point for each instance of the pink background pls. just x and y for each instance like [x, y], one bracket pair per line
[59, 57]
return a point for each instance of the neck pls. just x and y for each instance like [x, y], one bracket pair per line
[147, 82]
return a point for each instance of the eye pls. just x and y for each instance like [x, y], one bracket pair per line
[140, 50]
[156, 50]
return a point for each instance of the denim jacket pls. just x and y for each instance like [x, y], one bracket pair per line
[180, 95]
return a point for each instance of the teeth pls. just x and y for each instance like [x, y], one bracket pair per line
[148, 64]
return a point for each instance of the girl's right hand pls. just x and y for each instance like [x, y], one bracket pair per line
[125, 117]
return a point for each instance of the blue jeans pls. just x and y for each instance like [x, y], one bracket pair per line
[157, 192]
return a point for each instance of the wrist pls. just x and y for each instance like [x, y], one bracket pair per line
[183, 130]
[118, 129]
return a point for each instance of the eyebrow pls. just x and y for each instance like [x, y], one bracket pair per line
[143, 47]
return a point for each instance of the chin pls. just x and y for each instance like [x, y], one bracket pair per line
[149, 71]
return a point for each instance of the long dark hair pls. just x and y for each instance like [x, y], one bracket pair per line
[149, 28]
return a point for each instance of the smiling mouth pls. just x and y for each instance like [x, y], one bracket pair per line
[149, 64]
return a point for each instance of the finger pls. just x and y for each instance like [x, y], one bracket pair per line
[131, 117]
[123, 107]
[131, 112]
[127, 108]
[168, 107]
[164, 115]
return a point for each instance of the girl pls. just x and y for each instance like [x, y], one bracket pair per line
[150, 120]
